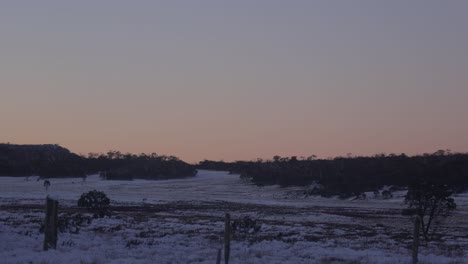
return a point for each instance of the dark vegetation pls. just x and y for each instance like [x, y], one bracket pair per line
[43, 160]
[96, 202]
[430, 202]
[342, 176]
[246, 225]
[351, 176]
[117, 166]
[53, 161]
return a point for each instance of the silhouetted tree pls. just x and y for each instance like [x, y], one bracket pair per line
[431, 202]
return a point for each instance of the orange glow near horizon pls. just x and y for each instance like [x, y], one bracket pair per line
[236, 81]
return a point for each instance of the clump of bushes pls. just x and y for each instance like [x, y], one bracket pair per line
[72, 223]
[244, 226]
[96, 202]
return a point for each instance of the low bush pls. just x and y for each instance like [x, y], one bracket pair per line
[96, 202]
[244, 226]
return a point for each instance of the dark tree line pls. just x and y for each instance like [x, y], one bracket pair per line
[115, 165]
[348, 176]
[51, 161]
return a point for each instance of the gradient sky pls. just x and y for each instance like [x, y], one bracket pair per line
[235, 80]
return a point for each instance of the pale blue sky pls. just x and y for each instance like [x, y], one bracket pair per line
[238, 79]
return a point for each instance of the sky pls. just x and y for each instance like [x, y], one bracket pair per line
[235, 80]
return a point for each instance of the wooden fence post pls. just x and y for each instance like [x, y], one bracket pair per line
[227, 238]
[416, 239]
[51, 220]
[218, 258]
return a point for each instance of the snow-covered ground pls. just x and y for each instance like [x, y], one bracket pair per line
[181, 221]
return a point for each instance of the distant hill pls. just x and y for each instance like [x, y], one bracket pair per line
[43, 160]
[54, 161]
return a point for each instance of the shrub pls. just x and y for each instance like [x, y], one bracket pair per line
[387, 194]
[72, 222]
[96, 202]
[246, 225]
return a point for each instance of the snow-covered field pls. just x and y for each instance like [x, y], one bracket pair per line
[182, 221]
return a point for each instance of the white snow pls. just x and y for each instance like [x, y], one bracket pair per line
[181, 221]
